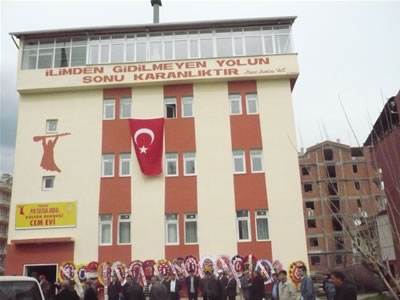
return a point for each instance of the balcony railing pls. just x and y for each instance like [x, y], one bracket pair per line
[4, 202]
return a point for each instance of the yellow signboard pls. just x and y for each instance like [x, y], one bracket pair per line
[39, 215]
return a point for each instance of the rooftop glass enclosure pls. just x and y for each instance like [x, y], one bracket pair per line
[155, 46]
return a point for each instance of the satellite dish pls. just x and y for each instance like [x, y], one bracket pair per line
[357, 222]
[364, 214]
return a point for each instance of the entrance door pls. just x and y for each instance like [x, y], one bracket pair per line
[50, 271]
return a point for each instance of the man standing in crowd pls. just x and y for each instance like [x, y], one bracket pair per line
[158, 290]
[67, 292]
[258, 286]
[329, 288]
[174, 287]
[344, 289]
[231, 287]
[90, 291]
[192, 284]
[214, 288]
[204, 288]
[114, 288]
[223, 282]
[147, 289]
[287, 290]
[135, 291]
[307, 286]
[275, 286]
[246, 285]
[126, 286]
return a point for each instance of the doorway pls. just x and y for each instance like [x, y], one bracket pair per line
[50, 271]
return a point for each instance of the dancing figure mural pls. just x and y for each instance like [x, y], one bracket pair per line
[48, 144]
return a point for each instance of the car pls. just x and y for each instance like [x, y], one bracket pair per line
[20, 288]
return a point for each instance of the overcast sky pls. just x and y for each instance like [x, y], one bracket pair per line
[346, 49]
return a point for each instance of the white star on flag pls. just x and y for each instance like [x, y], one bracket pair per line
[143, 149]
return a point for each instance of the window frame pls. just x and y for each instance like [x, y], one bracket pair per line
[104, 108]
[316, 263]
[252, 155]
[44, 178]
[256, 217]
[121, 104]
[48, 121]
[121, 160]
[247, 218]
[172, 100]
[101, 222]
[176, 160]
[247, 104]
[186, 220]
[187, 98]
[185, 160]
[119, 228]
[102, 165]
[243, 156]
[177, 228]
[230, 96]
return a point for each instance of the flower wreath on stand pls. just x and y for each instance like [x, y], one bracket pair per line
[294, 271]
[192, 265]
[81, 271]
[237, 263]
[249, 263]
[164, 267]
[67, 271]
[264, 266]
[119, 269]
[104, 272]
[178, 267]
[207, 264]
[135, 269]
[149, 268]
[277, 265]
[222, 263]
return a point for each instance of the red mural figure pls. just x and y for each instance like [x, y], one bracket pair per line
[48, 144]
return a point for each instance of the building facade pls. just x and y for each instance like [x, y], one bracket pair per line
[223, 87]
[5, 197]
[383, 144]
[340, 188]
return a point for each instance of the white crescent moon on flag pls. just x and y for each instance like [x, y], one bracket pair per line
[144, 131]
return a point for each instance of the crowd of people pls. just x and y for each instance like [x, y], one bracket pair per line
[210, 287]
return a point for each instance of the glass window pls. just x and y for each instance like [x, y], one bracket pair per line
[48, 182]
[105, 230]
[251, 102]
[45, 58]
[170, 108]
[51, 126]
[29, 59]
[243, 225]
[283, 44]
[315, 260]
[206, 48]
[171, 229]
[256, 161]
[105, 54]
[224, 46]
[268, 45]
[155, 50]
[125, 109]
[117, 53]
[108, 165]
[235, 104]
[141, 51]
[124, 229]
[253, 45]
[62, 57]
[239, 162]
[187, 106]
[125, 164]
[238, 46]
[168, 52]
[130, 52]
[181, 49]
[194, 50]
[78, 56]
[189, 161]
[190, 228]
[171, 160]
[262, 225]
[108, 109]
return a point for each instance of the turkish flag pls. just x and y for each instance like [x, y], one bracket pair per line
[147, 137]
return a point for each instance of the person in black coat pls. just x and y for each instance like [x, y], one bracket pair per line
[174, 286]
[126, 286]
[90, 291]
[258, 287]
[223, 281]
[67, 292]
[192, 284]
[214, 288]
[135, 291]
[114, 289]
[231, 287]
[344, 290]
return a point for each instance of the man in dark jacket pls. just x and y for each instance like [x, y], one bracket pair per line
[307, 286]
[158, 290]
[90, 291]
[258, 286]
[126, 286]
[231, 287]
[174, 287]
[114, 288]
[135, 291]
[344, 290]
[214, 288]
[192, 286]
[223, 282]
[67, 292]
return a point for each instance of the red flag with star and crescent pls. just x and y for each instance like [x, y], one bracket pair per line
[147, 136]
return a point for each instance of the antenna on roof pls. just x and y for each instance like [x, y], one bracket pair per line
[156, 10]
